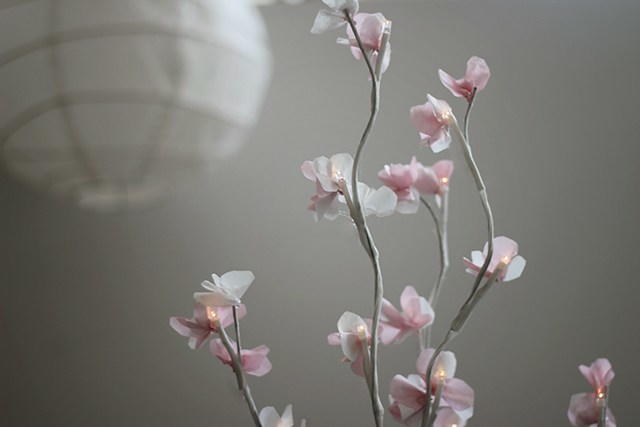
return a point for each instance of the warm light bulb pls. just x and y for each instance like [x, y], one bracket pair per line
[601, 394]
[444, 180]
[441, 374]
[212, 315]
[454, 425]
[506, 259]
[362, 331]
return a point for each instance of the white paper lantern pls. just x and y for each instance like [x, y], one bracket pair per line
[118, 101]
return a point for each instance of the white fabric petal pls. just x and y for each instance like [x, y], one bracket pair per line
[269, 417]
[442, 143]
[515, 268]
[351, 6]
[477, 258]
[210, 286]
[349, 322]
[408, 206]
[215, 299]
[287, 416]
[446, 363]
[327, 20]
[381, 202]
[236, 283]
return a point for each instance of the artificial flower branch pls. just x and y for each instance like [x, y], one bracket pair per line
[358, 216]
[441, 234]
[456, 326]
[240, 374]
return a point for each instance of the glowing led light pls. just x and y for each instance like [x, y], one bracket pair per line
[506, 259]
[454, 425]
[444, 180]
[441, 374]
[362, 331]
[601, 394]
[212, 315]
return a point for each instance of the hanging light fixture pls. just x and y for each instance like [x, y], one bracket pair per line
[119, 102]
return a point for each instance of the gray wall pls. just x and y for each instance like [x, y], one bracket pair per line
[85, 298]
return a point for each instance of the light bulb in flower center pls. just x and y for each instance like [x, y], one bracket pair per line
[600, 394]
[441, 374]
[212, 315]
[444, 180]
[454, 425]
[362, 331]
[506, 259]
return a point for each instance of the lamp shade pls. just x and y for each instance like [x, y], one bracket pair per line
[119, 102]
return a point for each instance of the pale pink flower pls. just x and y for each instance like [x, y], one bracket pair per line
[408, 398]
[584, 408]
[370, 27]
[200, 327]
[254, 361]
[225, 290]
[599, 374]
[476, 77]
[434, 180]
[332, 177]
[402, 179]
[505, 253]
[354, 337]
[269, 417]
[334, 18]
[432, 120]
[416, 314]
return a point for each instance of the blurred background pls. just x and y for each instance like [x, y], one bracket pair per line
[86, 297]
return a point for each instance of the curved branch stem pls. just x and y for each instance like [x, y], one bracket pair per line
[456, 326]
[441, 233]
[236, 364]
[358, 216]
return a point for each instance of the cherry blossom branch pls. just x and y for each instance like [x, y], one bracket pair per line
[359, 218]
[482, 190]
[441, 233]
[236, 324]
[236, 363]
[456, 326]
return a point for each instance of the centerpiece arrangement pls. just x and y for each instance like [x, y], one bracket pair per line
[432, 396]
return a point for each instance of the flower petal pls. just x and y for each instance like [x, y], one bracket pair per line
[515, 268]
[327, 20]
[237, 282]
[458, 394]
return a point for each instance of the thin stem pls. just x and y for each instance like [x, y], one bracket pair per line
[236, 324]
[441, 233]
[436, 402]
[359, 218]
[482, 190]
[240, 377]
[455, 328]
[465, 124]
[603, 404]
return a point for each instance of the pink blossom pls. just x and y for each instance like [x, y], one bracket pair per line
[402, 179]
[505, 253]
[408, 398]
[599, 374]
[434, 180]
[432, 120]
[354, 337]
[332, 177]
[476, 77]
[254, 361]
[200, 327]
[370, 27]
[584, 409]
[456, 393]
[416, 314]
